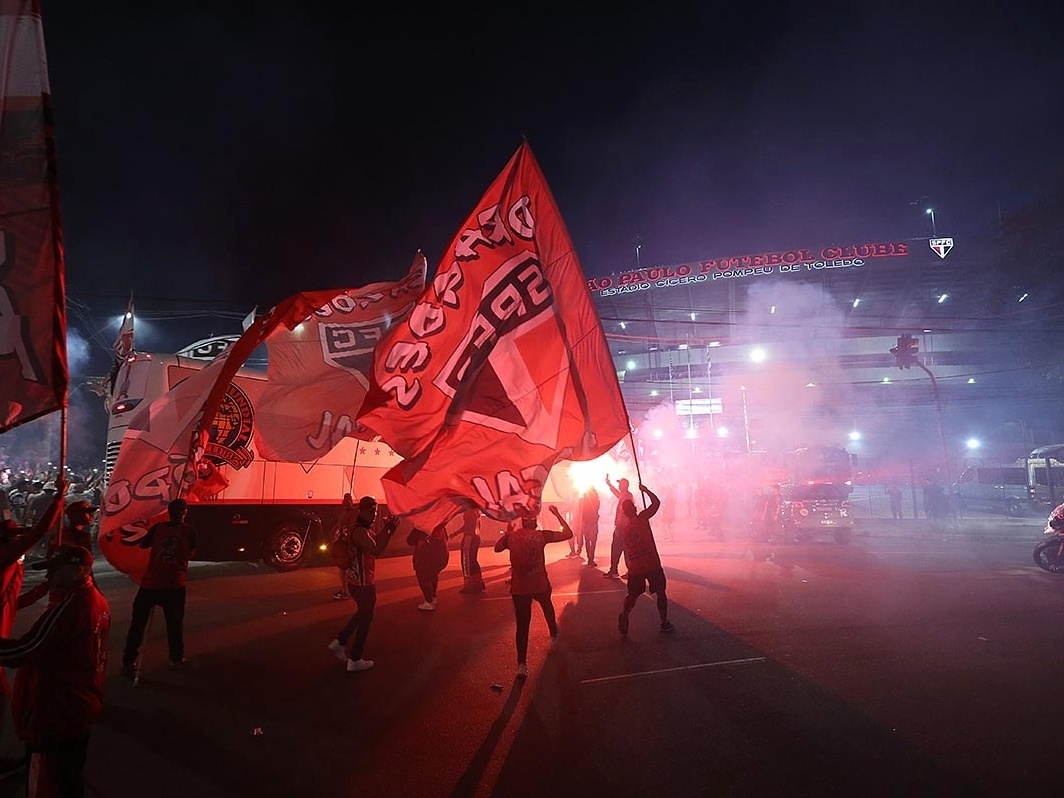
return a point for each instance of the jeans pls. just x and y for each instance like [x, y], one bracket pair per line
[172, 600]
[523, 612]
[365, 597]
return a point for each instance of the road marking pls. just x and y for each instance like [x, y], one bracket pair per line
[747, 661]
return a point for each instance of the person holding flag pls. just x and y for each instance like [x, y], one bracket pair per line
[172, 544]
[644, 564]
[528, 579]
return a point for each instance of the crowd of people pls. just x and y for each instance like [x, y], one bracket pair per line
[357, 541]
[61, 660]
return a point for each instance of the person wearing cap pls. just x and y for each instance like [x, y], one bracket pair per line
[529, 581]
[364, 548]
[61, 665]
[172, 542]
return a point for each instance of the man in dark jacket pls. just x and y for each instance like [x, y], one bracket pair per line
[365, 548]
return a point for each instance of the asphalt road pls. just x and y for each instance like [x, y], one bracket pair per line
[911, 664]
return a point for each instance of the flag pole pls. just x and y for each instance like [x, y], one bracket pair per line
[62, 463]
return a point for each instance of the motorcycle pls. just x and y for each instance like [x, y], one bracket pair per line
[1049, 554]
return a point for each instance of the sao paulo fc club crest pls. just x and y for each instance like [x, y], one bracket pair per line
[941, 246]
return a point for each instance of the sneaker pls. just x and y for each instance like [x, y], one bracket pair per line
[611, 575]
[356, 665]
[427, 606]
[622, 624]
[337, 648]
[592, 563]
[667, 626]
[522, 671]
[339, 595]
[178, 663]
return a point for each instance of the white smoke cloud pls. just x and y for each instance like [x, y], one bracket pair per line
[77, 351]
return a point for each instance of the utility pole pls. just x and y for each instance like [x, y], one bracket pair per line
[905, 356]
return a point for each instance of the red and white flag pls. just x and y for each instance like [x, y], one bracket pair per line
[501, 369]
[33, 361]
[318, 371]
[162, 453]
[153, 468]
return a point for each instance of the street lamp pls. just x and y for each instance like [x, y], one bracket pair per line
[925, 202]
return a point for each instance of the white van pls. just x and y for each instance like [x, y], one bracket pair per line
[993, 488]
[1045, 473]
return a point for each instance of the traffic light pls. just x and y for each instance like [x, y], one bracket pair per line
[905, 352]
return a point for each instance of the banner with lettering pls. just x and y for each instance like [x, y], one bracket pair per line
[502, 367]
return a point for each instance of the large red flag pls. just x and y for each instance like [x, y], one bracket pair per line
[33, 363]
[501, 369]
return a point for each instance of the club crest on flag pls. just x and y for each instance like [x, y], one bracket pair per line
[349, 347]
[231, 430]
[518, 387]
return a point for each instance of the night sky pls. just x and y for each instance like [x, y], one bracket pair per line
[217, 156]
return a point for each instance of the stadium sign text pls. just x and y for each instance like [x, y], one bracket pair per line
[798, 260]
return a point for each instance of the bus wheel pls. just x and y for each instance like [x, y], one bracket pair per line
[287, 546]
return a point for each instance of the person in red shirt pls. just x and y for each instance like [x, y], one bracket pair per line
[361, 585]
[528, 579]
[644, 565]
[61, 661]
[173, 543]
